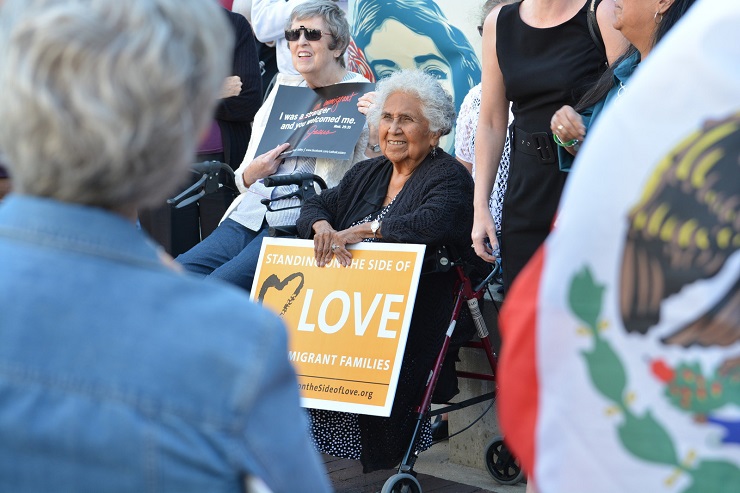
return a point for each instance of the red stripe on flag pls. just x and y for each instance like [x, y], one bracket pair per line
[517, 370]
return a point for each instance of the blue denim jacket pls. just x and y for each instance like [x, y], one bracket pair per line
[120, 374]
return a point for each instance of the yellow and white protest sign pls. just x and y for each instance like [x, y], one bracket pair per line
[347, 325]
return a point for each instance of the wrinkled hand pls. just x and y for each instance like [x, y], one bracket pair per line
[264, 165]
[567, 124]
[232, 87]
[327, 242]
[484, 229]
[365, 102]
[323, 239]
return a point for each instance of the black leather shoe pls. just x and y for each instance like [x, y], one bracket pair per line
[440, 429]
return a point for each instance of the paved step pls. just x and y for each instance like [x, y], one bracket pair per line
[347, 477]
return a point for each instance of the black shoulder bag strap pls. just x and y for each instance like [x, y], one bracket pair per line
[593, 27]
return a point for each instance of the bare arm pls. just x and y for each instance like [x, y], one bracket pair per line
[489, 140]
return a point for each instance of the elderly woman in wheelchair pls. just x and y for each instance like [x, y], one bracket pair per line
[232, 250]
[414, 193]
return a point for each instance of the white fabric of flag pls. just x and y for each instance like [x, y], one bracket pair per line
[633, 331]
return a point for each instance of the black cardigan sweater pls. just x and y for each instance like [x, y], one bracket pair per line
[435, 208]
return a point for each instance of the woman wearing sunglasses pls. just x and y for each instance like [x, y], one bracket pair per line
[317, 34]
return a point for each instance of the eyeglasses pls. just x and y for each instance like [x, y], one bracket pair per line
[310, 34]
[480, 30]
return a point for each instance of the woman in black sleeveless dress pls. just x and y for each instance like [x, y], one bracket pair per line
[539, 55]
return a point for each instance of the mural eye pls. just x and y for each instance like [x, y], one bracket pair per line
[383, 73]
[438, 74]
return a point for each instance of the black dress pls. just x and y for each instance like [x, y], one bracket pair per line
[543, 69]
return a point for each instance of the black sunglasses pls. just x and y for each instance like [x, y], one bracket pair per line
[311, 34]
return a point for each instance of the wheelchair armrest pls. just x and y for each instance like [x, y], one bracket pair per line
[304, 180]
[211, 167]
[306, 188]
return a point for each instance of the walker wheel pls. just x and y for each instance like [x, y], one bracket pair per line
[501, 463]
[401, 483]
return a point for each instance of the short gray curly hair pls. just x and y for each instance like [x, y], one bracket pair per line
[333, 15]
[103, 102]
[436, 103]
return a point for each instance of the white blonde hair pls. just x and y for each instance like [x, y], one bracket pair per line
[103, 101]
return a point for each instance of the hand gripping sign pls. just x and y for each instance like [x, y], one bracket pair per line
[347, 325]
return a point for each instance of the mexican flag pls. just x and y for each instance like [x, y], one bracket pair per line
[620, 367]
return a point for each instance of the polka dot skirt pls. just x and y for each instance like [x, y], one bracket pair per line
[338, 434]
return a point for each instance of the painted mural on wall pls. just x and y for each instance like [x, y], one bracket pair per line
[438, 37]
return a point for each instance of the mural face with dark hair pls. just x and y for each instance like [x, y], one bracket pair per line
[416, 34]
